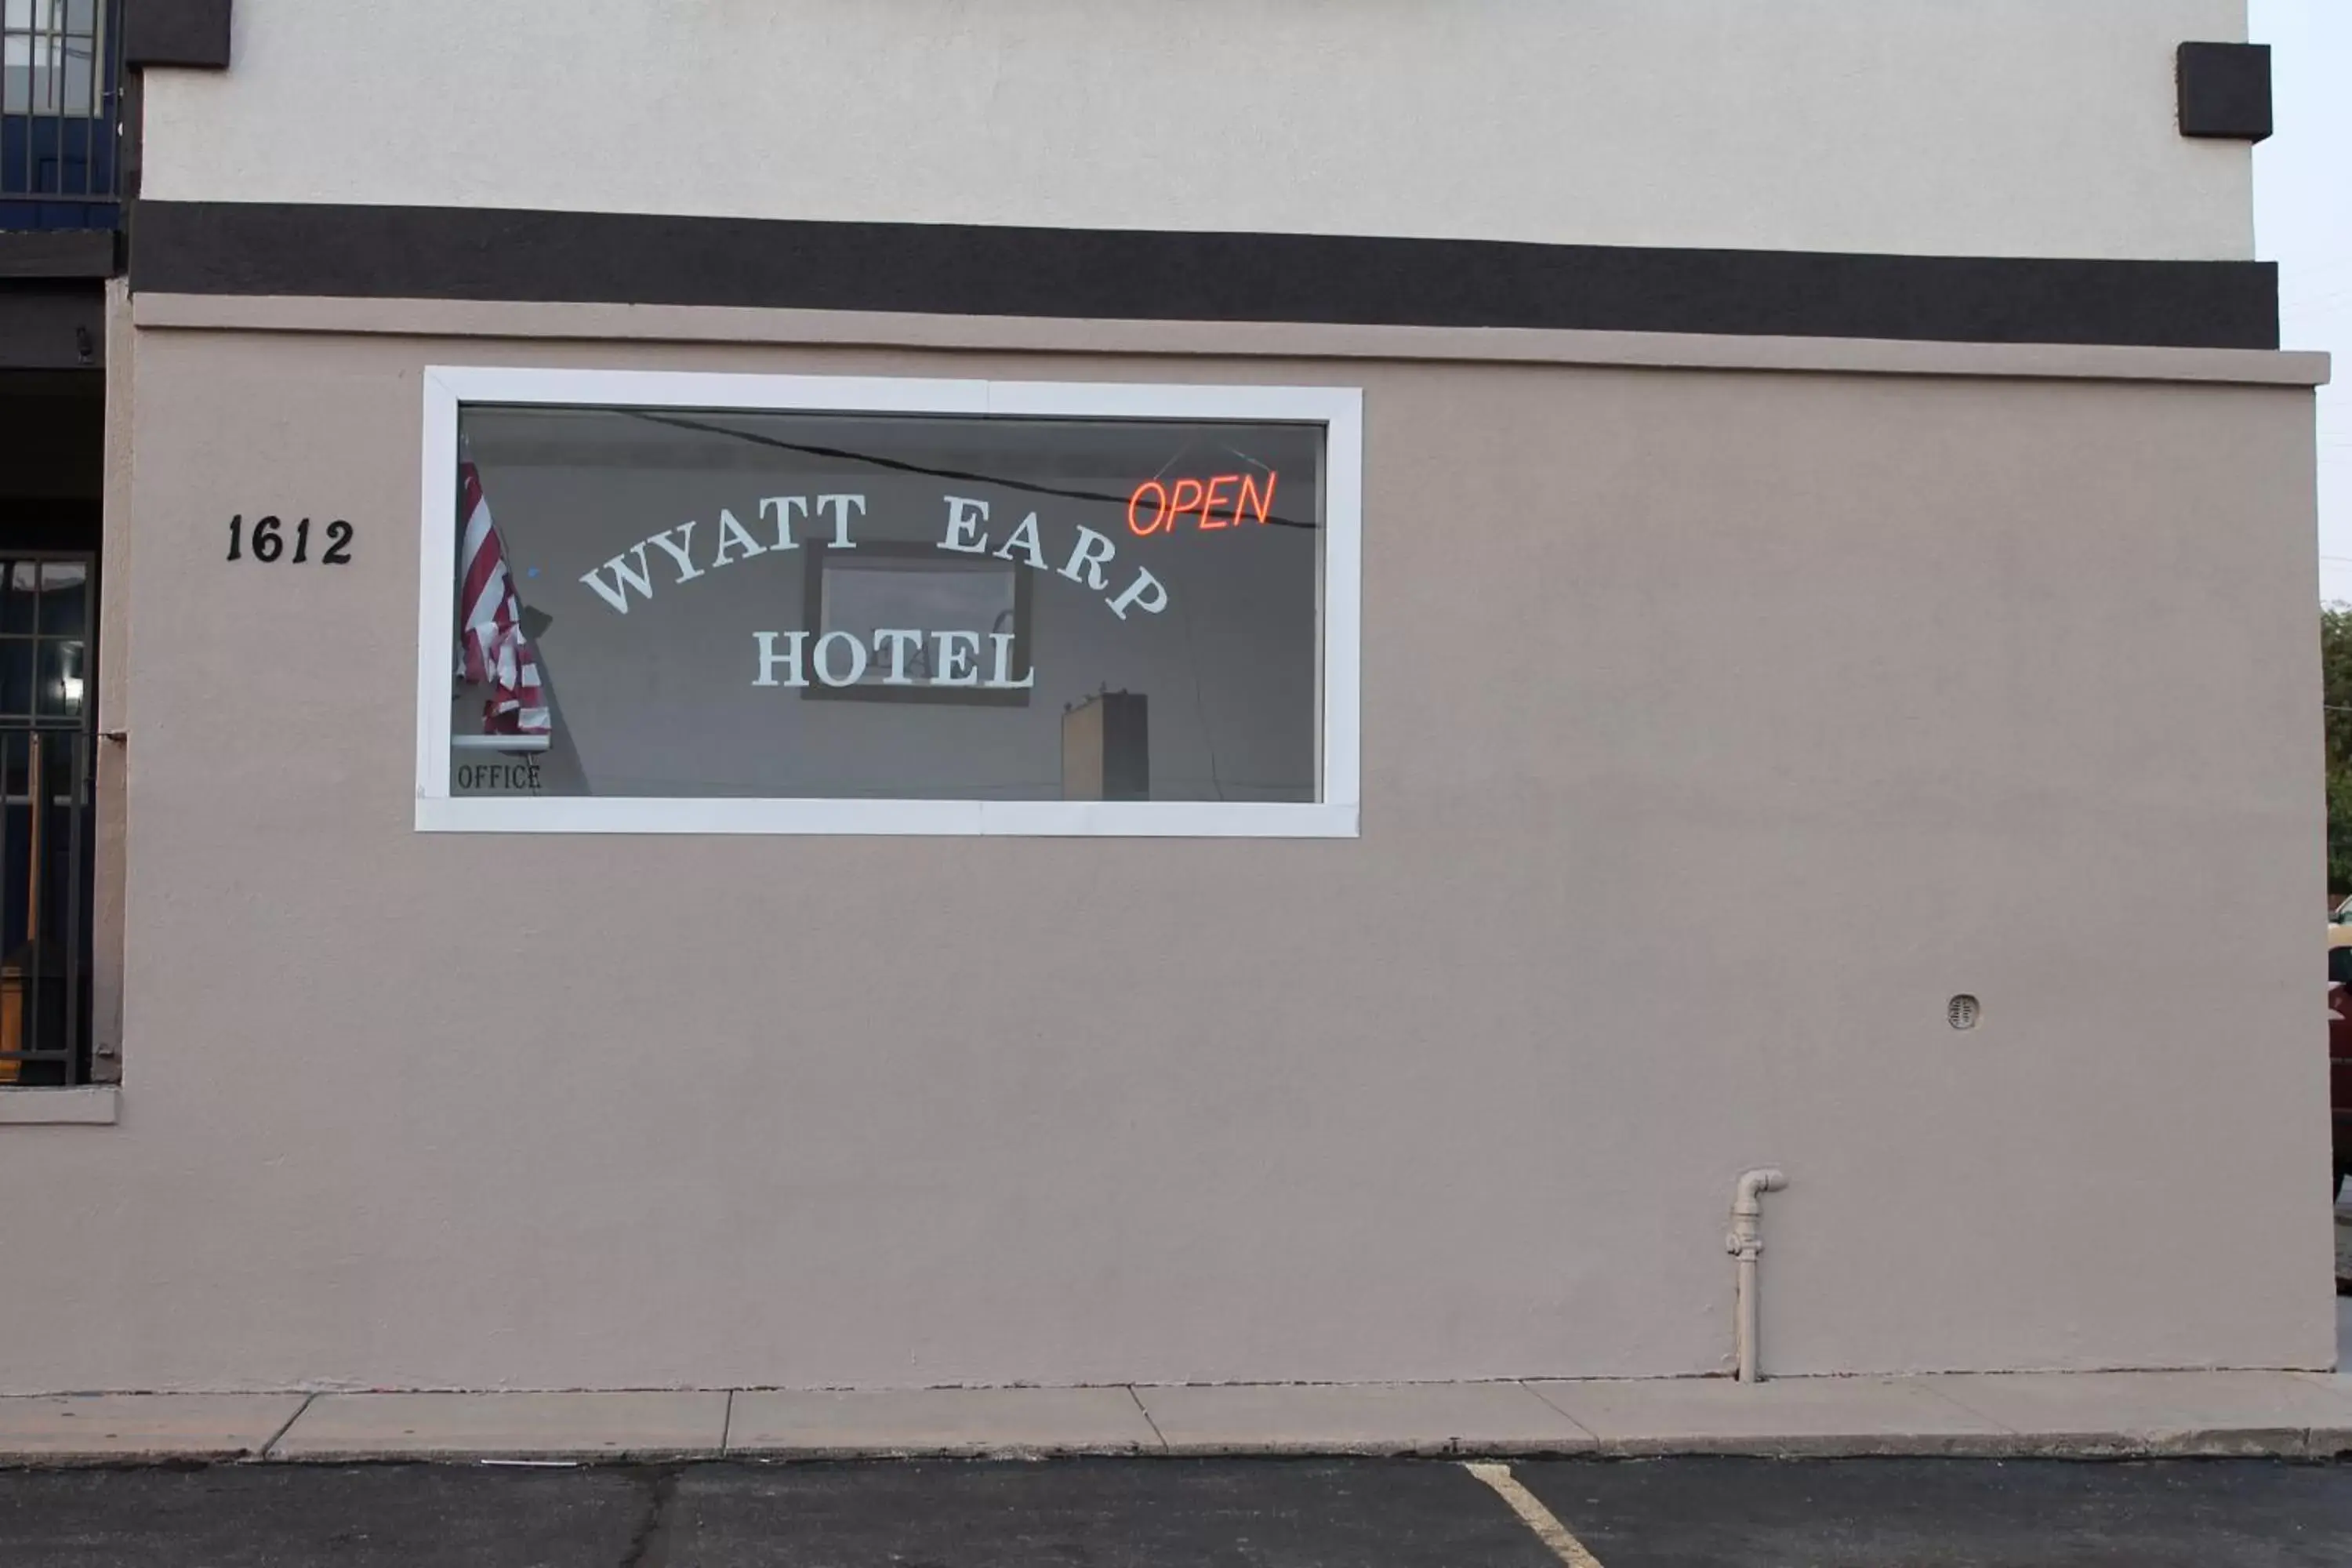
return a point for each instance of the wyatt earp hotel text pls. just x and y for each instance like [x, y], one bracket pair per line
[780, 696]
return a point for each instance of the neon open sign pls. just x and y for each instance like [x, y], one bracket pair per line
[1223, 500]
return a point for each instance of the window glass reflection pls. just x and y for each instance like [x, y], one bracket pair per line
[691, 603]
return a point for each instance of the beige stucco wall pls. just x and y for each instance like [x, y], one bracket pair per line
[1962, 127]
[1718, 724]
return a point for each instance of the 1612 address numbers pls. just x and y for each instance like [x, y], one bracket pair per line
[268, 542]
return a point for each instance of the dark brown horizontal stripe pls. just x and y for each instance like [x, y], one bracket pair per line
[178, 33]
[477, 253]
[51, 254]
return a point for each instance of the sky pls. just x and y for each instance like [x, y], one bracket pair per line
[2303, 221]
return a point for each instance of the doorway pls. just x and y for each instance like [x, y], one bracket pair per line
[47, 689]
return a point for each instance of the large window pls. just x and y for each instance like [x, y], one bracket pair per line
[657, 603]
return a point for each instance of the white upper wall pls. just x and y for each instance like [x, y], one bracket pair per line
[1966, 127]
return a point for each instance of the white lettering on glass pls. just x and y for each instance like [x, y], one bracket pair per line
[1003, 642]
[733, 535]
[616, 593]
[1025, 538]
[967, 534]
[964, 517]
[857, 658]
[783, 507]
[899, 641]
[840, 506]
[687, 570]
[1093, 553]
[958, 660]
[790, 659]
[1144, 582]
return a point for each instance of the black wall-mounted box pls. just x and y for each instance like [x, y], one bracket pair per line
[2225, 90]
[176, 33]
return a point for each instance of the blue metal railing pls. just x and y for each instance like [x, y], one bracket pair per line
[61, 114]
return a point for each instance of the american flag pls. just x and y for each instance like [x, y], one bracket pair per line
[492, 650]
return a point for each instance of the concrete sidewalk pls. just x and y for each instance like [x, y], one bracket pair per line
[2291, 1414]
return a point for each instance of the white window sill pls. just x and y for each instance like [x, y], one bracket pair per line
[969, 818]
[99, 1105]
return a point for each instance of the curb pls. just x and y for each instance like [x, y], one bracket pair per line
[2318, 1444]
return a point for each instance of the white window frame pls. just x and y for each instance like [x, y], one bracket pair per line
[1339, 409]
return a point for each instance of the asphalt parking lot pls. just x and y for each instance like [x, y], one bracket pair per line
[1159, 1513]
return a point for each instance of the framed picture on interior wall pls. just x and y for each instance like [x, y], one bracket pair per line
[921, 622]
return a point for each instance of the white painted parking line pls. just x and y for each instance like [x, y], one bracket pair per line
[1537, 1518]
